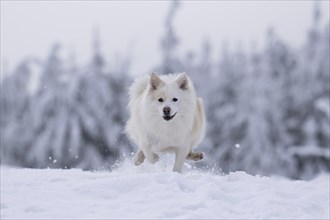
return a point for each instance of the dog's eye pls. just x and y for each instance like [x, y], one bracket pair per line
[175, 99]
[160, 100]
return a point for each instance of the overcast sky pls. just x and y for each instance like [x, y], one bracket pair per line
[31, 27]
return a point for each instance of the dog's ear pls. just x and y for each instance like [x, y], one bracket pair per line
[154, 81]
[183, 81]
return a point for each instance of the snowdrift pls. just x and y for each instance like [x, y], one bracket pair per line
[151, 192]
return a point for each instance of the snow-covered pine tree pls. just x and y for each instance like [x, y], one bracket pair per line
[15, 115]
[74, 119]
[170, 61]
[307, 113]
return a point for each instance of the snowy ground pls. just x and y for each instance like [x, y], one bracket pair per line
[153, 192]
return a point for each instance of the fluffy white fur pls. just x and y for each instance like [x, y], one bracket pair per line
[153, 131]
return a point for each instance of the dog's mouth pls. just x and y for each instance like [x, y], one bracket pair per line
[168, 117]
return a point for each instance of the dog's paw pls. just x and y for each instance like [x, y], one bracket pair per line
[195, 156]
[138, 158]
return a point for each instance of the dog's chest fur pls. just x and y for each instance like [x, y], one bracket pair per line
[173, 134]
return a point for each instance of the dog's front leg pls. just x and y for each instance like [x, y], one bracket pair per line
[151, 157]
[138, 157]
[180, 157]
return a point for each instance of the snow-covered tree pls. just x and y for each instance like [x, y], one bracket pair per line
[14, 112]
[170, 61]
[74, 119]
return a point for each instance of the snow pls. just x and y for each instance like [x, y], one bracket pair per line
[148, 191]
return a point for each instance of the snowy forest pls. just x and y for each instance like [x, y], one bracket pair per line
[268, 111]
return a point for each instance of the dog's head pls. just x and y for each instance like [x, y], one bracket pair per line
[171, 95]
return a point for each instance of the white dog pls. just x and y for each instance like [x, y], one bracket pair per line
[166, 115]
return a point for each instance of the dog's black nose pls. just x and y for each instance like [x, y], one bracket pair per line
[167, 110]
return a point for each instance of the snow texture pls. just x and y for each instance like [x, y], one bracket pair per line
[154, 192]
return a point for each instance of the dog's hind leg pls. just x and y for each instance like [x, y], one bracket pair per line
[138, 157]
[195, 156]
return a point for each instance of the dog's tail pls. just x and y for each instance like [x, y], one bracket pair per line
[137, 89]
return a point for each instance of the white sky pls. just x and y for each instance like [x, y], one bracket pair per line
[31, 27]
